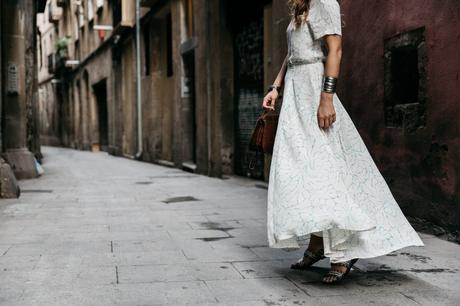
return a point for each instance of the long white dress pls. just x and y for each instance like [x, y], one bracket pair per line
[325, 181]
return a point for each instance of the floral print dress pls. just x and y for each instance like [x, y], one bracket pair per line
[325, 181]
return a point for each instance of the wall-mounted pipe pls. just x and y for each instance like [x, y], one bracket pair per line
[140, 148]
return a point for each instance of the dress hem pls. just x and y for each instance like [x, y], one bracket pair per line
[296, 238]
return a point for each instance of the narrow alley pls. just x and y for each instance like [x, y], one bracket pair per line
[103, 230]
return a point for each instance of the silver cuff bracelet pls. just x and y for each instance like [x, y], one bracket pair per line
[330, 84]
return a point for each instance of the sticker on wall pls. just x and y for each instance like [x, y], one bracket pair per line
[12, 86]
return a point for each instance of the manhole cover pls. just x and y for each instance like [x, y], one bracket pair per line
[36, 191]
[180, 199]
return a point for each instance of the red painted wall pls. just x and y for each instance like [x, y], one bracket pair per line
[423, 167]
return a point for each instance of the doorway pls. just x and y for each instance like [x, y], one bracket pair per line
[188, 96]
[248, 43]
[102, 125]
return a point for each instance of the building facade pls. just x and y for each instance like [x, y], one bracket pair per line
[19, 134]
[400, 75]
[204, 65]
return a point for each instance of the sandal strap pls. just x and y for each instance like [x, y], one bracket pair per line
[335, 273]
[346, 264]
[314, 255]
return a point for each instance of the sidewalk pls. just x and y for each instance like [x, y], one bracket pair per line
[102, 230]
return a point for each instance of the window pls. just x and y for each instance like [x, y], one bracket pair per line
[40, 50]
[116, 12]
[90, 11]
[405, 75]
[77, 49]
[169, 46]
[99, 6]
[405, 80]
[50, 63]
[146, 35]
[81, 14]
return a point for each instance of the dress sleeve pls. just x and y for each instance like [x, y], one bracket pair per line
[325, 18]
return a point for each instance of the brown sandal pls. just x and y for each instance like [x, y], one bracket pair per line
[309, 258]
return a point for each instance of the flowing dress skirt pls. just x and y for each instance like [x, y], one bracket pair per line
[326, 181]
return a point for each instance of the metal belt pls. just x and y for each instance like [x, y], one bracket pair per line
[298, 62]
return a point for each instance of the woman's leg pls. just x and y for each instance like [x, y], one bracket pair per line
[312, 254]
[316, 242]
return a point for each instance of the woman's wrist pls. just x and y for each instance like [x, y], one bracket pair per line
[326, 97]
[274, 87]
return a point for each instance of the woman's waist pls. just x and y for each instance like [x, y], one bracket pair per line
[300, 61]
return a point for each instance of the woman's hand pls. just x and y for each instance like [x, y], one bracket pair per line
[270, 100]
[326, 111]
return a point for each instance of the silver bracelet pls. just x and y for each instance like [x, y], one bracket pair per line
[330, 84]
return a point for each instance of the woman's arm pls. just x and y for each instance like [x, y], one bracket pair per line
[270, 99]
[280, 77]
[326, 111]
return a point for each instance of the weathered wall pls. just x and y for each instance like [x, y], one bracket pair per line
[49, 115]
[421, 166]
[18, 102]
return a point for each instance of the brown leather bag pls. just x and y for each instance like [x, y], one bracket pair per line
[263, 135]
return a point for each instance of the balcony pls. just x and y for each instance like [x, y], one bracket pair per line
[62, 54]
[54, 13]
[124, 16]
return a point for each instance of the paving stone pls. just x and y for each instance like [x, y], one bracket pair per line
[151, 258]
[69, 295]
[20, 262]
[49, 261]
[271, 290]
[393, 299]
[434, 297]
[139, 246]
[263, 269]
[171, 293]
[179, 272]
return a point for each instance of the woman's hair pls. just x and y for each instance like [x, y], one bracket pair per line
[299, 10]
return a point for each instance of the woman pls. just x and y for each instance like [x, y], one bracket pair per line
[323, 182]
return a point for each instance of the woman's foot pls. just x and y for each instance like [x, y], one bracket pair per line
[338, 271]
[312, 254]
[309, 258]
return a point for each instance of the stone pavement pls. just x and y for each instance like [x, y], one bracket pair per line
[102, 230]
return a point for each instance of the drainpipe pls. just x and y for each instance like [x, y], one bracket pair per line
[138, 82]
[208, 89]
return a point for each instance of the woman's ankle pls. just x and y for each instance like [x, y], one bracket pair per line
[316, 244]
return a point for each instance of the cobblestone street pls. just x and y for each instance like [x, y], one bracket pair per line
[102, 230]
